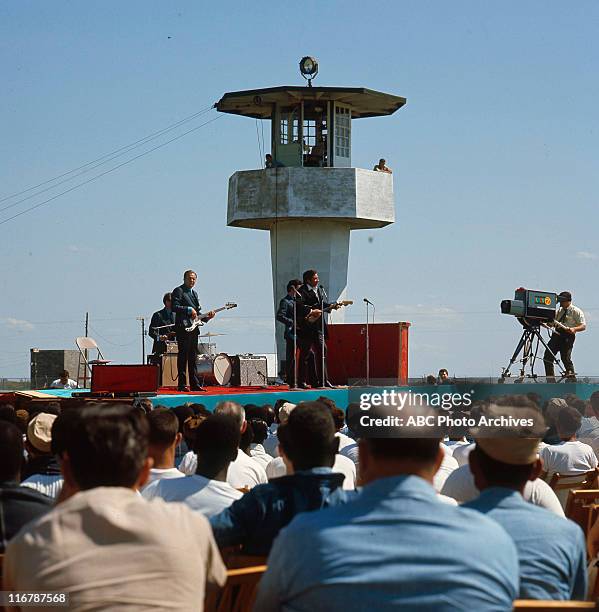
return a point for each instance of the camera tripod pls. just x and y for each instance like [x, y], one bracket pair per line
[529, 345]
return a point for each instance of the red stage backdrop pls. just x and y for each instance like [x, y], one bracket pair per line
[388, 353]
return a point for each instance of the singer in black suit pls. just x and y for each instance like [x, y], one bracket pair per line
[186, 306]
[310, 337]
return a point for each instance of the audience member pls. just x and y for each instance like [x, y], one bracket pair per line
[42, 471]
[163, 439]
[64, 382]
[18, 505]
[8, 413]
[448, 465]
[244, 472]
[260, 433]
[589, 427]
[395, 545]
[443, 377]
[207, 491]
[461, 487]
[308, 447]
[343, 465]
[104, 544]
[551, 550]
[182, 413]
[569, 456]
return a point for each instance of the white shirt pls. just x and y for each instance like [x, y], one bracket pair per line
[452, 445]
[448, 465]
[344, 441]
[589, 428]
[276, 468]
[198, 492]
[460, 485]
[243, 472]
[573, 318]
[160, 473]
[351, 452]
[258, 453]
[568, 458]
[46, 484]
[113, 550]
[58, 384]
[460, 453]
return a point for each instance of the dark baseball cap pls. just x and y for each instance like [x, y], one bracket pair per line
[564, 296]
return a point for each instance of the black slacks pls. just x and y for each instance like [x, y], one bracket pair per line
[187, 347]
[309, 345]
[562, 343]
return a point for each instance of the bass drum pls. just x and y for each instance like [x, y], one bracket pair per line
[214, 369]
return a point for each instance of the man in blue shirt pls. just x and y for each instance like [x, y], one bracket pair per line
[308, 445]
[551, 549]
[396, 546]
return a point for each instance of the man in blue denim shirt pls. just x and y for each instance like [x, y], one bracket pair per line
[394, 547]
[551, 549]
[308, 446]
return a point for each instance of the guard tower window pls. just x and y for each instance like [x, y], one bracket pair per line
[289, 126]
[342, 131]
[315, 134]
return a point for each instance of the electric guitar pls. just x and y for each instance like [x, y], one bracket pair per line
[315, 315]
[199, 319]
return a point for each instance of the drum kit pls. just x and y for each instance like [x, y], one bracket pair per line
[212, 368]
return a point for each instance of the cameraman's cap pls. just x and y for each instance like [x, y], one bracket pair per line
[514, 444]
[564, 296]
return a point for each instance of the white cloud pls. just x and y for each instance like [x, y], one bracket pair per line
[19, 324]
[73, 248]
[586, 255]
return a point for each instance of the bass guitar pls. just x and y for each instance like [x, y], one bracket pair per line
[316, 314]
[200, 319]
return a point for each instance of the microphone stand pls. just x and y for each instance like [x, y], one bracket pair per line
[368, 303]
[323, 295]
[297, 294]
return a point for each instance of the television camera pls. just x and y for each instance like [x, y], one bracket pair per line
[533, 309]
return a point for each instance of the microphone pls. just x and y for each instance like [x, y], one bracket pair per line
[368, 301]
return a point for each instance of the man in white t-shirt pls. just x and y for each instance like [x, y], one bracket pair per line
[163, 440]
[207, 491]
[460, 486]
[244, 472]
[570, 456]
[64, 382]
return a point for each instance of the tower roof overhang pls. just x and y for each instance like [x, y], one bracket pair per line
[259, 103]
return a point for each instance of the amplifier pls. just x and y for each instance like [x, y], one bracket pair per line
[249, 371]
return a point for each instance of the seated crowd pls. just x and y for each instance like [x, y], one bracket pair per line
[422, 520]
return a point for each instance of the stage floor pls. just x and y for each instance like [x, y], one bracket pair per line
[344, 395]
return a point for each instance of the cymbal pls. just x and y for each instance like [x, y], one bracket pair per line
[211, 335]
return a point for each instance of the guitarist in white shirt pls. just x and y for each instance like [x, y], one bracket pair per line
[569, 320]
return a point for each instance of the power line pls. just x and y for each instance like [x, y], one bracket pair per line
[111, 155]
[95, 178]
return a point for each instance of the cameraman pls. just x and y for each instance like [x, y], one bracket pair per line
[562, 340]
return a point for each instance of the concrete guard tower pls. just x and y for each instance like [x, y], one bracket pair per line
[312, 198]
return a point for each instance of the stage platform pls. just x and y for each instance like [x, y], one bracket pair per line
[476, 388]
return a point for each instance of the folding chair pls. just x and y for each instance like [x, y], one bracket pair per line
[239, 592]
[562, 484]
[84, 367]
[582, 506]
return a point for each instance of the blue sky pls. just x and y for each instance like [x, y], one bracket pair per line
[495, 165]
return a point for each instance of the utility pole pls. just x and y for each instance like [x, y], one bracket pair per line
[143, 338]
[86, 352]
